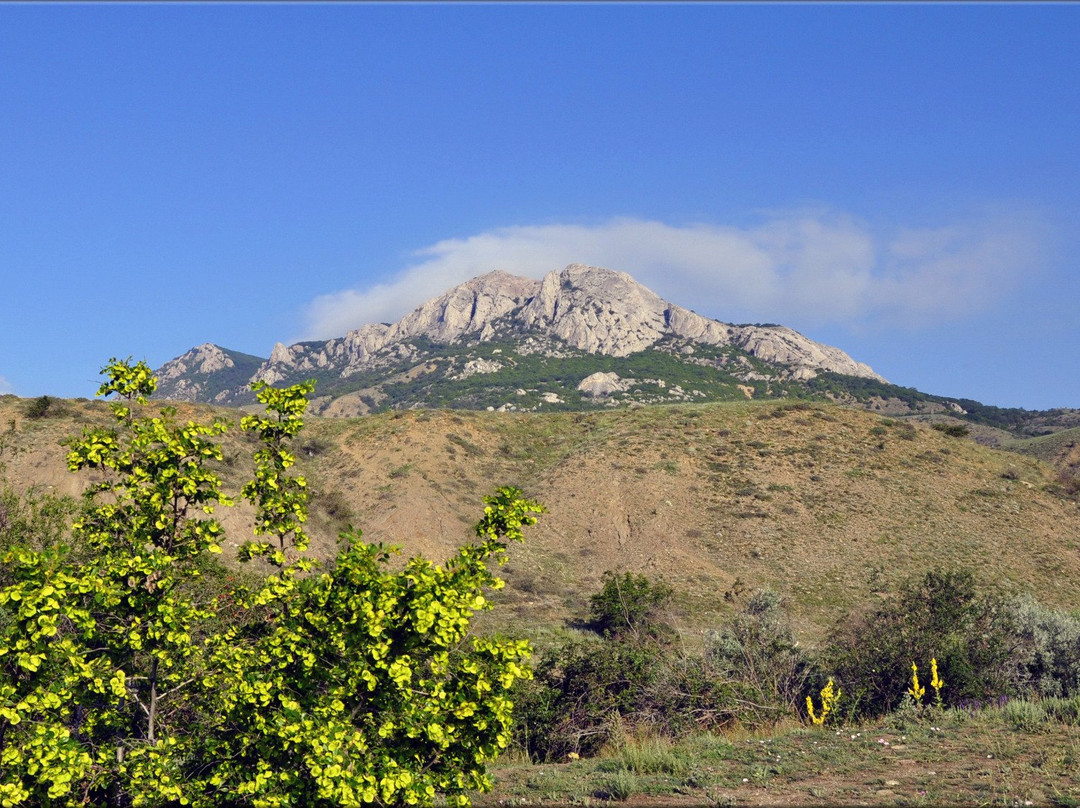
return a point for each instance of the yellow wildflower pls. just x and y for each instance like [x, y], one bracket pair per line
[915, 691]
[829, 698]
[936, 682]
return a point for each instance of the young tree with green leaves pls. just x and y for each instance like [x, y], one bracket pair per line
[100, 661]
[364, 686]
[121, 685]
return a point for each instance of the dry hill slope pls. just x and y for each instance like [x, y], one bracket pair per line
[829, 506]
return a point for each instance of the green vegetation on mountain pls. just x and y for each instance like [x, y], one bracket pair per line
[429, 375]
[1017, 421]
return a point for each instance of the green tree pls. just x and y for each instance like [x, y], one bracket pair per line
[365, 686]
[99, 660]
[123, 683]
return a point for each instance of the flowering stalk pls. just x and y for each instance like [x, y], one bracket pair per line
[916, 691]
[829, 698]
[936, 682]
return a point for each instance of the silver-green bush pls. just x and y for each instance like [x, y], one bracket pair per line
[1048, 648]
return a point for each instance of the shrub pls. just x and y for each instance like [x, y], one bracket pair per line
[906, 431]
[1069, 480]
[1067, 711]
[1048, 648]
[579, 691]
[586, 692]
[953, 430]
[759, 649]
[38, 407]
[940, 616]
[32, 520]
[632, 605]
[1023, 715]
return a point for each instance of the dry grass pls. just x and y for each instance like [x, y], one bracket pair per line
[831, 507]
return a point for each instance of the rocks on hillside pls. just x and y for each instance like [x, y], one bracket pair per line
[205, 358]
[600, 385]
[198, 375]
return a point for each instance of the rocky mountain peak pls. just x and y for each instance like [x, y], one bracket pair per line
[591, 309]
[204, 373]
[470, 308]
[597, 310]
[205, 358]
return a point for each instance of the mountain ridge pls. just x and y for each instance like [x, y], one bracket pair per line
[588, 310]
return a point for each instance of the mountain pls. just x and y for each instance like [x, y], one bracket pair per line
[581, 338]
[206, 373]
[514, 332]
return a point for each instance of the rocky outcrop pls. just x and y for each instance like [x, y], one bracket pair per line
[597, 310]
[601, 385]
[466, 310]
[783, 346]
[205, 358]
[607, 312]
[476, 366]
[469, 309]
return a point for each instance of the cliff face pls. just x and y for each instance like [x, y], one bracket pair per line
[607, 312]
[466, 311]
[589, 309]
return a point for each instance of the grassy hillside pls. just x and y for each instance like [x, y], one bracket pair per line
[1059, 449]
[829, 506]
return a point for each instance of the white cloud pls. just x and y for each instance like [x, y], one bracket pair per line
[797, 268]
[5, 386]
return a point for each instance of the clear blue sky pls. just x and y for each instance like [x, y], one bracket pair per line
[902, 181]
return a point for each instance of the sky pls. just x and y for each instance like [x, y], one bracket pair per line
[901, 180]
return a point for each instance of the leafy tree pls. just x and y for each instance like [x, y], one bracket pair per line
[33, 520]
[99, 660]
[123, 683]
[363, 685]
